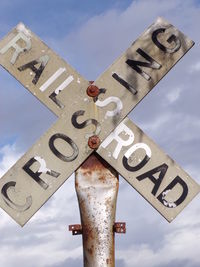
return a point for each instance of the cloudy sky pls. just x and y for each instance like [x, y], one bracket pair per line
[90, 35]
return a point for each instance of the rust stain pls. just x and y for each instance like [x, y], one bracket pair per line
[88, 233]
[90, 250]
[108, 201]
[92, 163]
[95, 162]
[102, 178]
[108, 261]
[86, 262]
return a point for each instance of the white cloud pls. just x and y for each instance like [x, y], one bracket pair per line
[195, 67]
[177, 246]
[9, 155]
[157, 123]
[173, 95]
[181, 244]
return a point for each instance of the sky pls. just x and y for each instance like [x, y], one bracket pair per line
[90, 35]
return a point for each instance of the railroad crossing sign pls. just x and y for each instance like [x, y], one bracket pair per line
[92, 112]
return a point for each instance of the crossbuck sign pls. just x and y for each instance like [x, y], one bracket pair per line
[64, 147]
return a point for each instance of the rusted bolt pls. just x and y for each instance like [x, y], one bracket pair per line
[92, 90]
[120, 227]
[76, 229]
[94, 142]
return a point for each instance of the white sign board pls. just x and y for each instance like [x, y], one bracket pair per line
[64, 147]
[148, 169]
[133, 75]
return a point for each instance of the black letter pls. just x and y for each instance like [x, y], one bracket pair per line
[85, 123]
[42, 169]
[69, 141]
[10, 203]
[137, 167]
[31, 65]
[171, 39]
[124, 83]
[57, 101]
[174, 204]
[130, 151]
[162, 169]
[151, 64]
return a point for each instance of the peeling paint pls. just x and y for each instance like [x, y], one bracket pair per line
[22, 28]
[115, 135]
[111, 99]
[52, 79]
[167, 203]
[64, 84]
[43, 166]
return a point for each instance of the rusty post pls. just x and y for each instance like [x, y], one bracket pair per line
[97, 188]
[97, 184]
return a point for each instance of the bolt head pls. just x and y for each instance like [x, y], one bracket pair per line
[92, 90]
[94, 142]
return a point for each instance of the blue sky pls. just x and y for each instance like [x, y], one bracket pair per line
[61, 16]
[90, 35]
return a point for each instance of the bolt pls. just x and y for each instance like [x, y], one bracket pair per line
[92, 90]
[94, 142]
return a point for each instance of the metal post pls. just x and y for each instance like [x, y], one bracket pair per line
[97, 188]
[97, 184]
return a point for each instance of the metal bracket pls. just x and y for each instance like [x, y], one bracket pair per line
[76, 229]
[119, 227]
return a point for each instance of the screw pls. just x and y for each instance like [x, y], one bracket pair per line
[94, 142]
[92, 90]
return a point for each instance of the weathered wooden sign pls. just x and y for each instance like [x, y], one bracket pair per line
[64, 147]
[138, 70]
[148, 169]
